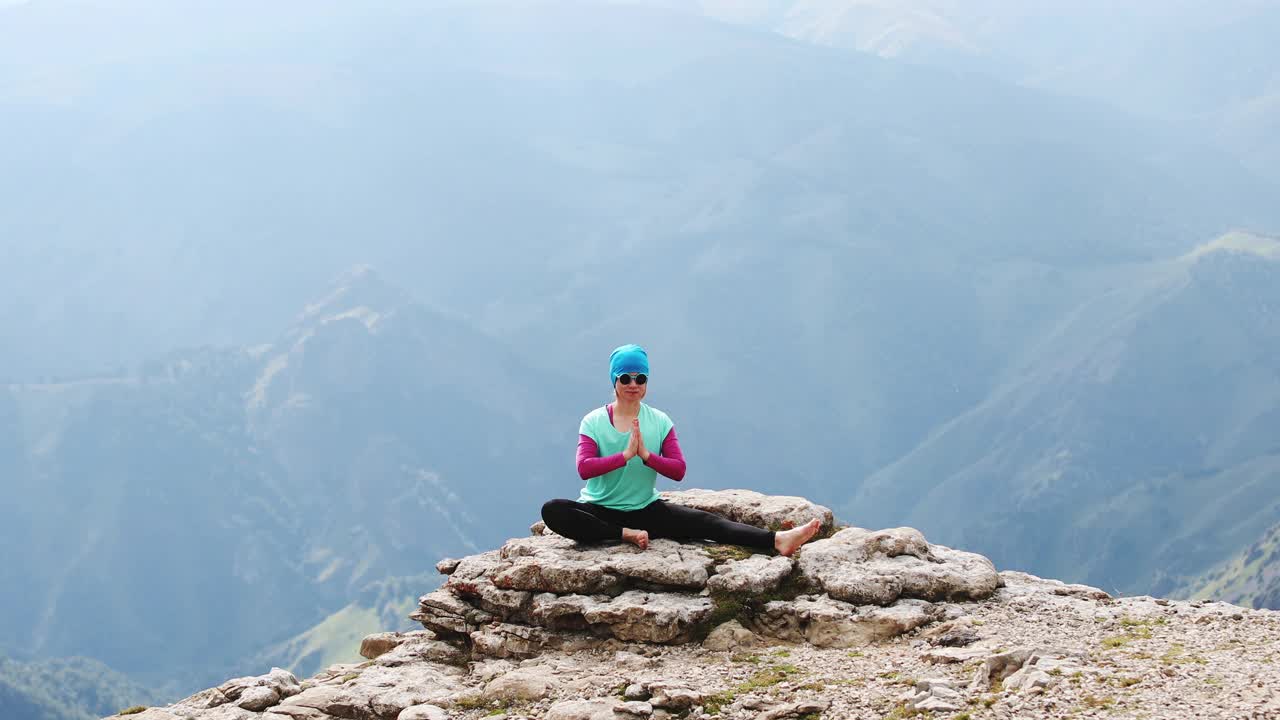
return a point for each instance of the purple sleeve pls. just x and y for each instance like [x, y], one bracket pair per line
[590, 464]
[671, 461]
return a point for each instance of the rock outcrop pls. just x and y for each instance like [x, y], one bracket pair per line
[850, 588]
[861, 623]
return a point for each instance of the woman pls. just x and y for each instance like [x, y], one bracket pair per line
[620, 501]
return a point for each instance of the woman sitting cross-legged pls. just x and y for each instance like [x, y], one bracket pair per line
[620, 501]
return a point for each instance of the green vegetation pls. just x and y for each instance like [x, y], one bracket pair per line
[765, 678]
[68, 689]
[336, 639]
[722, 553]
[902, 710]
[1097, 703]
[738, 605]
[1244, 578]
[1177, 654]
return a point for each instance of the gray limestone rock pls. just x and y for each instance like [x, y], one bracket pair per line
[522, 684]
[444, 612]
[934, 695]
[633, 615]
[673, 696]
[756, 575]
[583, 710]
[379, 643]
[861, 566]
[509, 640]
[420, 646]
[753, 508]
[1015, 584]
[634, 708]
[731, 635]
[545, 591]
[825, 622]
[554, 564]
[248, 693]
[423, 712]
[795, 710]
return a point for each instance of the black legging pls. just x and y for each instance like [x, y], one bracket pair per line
[588, 523]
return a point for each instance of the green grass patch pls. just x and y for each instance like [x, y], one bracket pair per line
[471, 702]
[739, 605]
[1177, 654]
[1115, 641]
[764, 678]
[750, 658]
[900, 711]
[815, 686]
[724, 553]
[132, 710]
[1097, 703]
[855, 654]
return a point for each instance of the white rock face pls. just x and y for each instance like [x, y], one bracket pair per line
[1032, 648]
[825, 622]
[755, 575]
[545, 592]
[731, 636]
[523, 684]
[753, 508]
[878, 567]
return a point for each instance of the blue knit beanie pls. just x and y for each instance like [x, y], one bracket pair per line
[628, 359]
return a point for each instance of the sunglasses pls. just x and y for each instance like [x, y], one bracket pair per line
[640, 378]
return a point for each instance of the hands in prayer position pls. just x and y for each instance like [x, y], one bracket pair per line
[636, 445]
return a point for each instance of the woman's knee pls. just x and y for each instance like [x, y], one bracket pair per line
[555, 509]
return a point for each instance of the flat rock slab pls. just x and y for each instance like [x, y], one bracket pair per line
[824, 621]
[877, 567]
[544, 591]
[774, 512]
[755, 575]
[634, 615]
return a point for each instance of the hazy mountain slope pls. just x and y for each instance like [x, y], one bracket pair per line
[1250, 578]
[1112, 455]
[225, 499]
[382, 607]
[69, 689]
[1208, 67]
[471, 150]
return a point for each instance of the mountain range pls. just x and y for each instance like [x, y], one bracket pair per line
[1036, 323]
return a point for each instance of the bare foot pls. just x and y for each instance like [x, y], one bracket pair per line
[788, 541]
[639, 538]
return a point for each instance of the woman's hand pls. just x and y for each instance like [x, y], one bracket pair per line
[633, 444]
[638, 439]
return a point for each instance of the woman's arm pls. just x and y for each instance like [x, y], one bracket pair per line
[591, 465]
[670, 462]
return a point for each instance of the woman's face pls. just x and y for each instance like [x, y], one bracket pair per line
[632, 391]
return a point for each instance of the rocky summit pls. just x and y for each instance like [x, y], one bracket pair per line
[859, 624]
